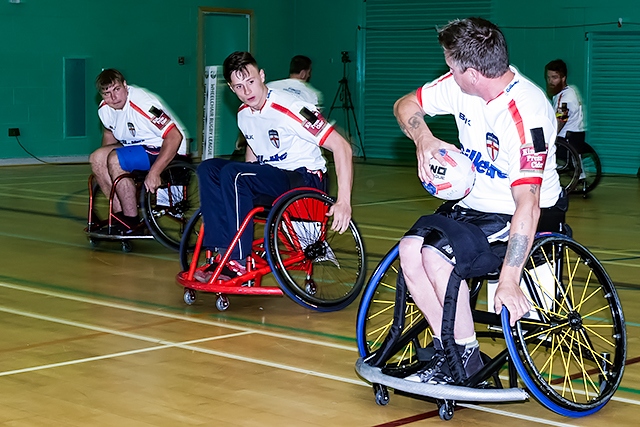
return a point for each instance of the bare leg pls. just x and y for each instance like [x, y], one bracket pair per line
[421, 288]
[126, 189]
[424, 267]
[98, 160]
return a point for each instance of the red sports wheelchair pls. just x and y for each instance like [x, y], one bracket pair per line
[165, 213]
[318, 268]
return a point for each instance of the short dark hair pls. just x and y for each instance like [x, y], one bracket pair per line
[475, 43]
[299, 63]
[108, 77]
[557, 65]
[237, 62]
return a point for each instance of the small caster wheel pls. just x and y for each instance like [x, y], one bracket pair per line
[126, 246]
[445, 409]
[189, 296]
[382, 394]
[94, 243]
[310, 287]
[222, 303]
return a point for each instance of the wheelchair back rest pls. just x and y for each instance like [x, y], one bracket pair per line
[177, 176]
[553, 218]
[577, 140]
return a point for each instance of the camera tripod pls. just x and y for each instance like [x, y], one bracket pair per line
[344, 94]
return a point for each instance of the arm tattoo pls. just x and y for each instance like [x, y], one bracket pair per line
[516, 250]
[414, 121]
[534, 188]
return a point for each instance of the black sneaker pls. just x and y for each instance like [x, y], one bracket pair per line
[472, 360]
[436, 370]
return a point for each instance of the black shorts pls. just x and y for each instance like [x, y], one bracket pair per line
[494, 226]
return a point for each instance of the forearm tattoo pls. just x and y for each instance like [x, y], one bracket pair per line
[516, 250]
[414, 121]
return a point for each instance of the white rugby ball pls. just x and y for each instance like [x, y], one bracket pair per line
[453, 180]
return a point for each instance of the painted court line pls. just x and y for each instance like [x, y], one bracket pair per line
[119, 354]
[167, 344]
[187, 345]
[176, 316]
[514, 415]
[85, 246]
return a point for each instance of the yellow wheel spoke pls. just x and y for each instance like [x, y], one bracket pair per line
[390, 306]
[545, 331]
[584, 291]
[388, 286]
[381, 332]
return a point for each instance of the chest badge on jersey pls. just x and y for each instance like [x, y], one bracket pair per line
[493, 146]
[274, 138]
[132, 128]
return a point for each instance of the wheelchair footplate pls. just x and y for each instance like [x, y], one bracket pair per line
[440, 391]
[102, 232]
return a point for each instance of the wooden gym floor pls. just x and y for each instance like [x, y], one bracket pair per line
[98, 337]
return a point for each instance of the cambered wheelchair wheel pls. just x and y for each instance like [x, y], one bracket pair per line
[591, 170]
[318, 268]
[571, 347]
[567, 165]
[168, 210]
[375, 315]
[189, 239]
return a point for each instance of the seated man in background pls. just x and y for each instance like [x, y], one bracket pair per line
[298, 81]
[139, 133]
[564, 99]
[284, 135]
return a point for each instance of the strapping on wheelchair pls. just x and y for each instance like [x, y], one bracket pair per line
[474, 258]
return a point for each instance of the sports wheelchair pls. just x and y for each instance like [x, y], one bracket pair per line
[318, 268]
[569, 350]
[578, 164]
[165, 213]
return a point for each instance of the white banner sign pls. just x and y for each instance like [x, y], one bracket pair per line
[210, 100]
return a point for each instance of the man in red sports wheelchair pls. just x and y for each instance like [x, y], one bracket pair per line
[140, 133]
[284, 135]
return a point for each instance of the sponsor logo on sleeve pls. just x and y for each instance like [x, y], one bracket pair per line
[530, 160]
[161, 121]
[315, 126]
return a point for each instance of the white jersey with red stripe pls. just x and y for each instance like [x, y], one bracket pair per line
[575, 119]
[286, 132]
[298, 88]
[510, 139]
[143, 120]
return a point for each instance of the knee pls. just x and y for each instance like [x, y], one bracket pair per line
[209, 173]
[410, 254]
[113, 163]
[98, 158]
